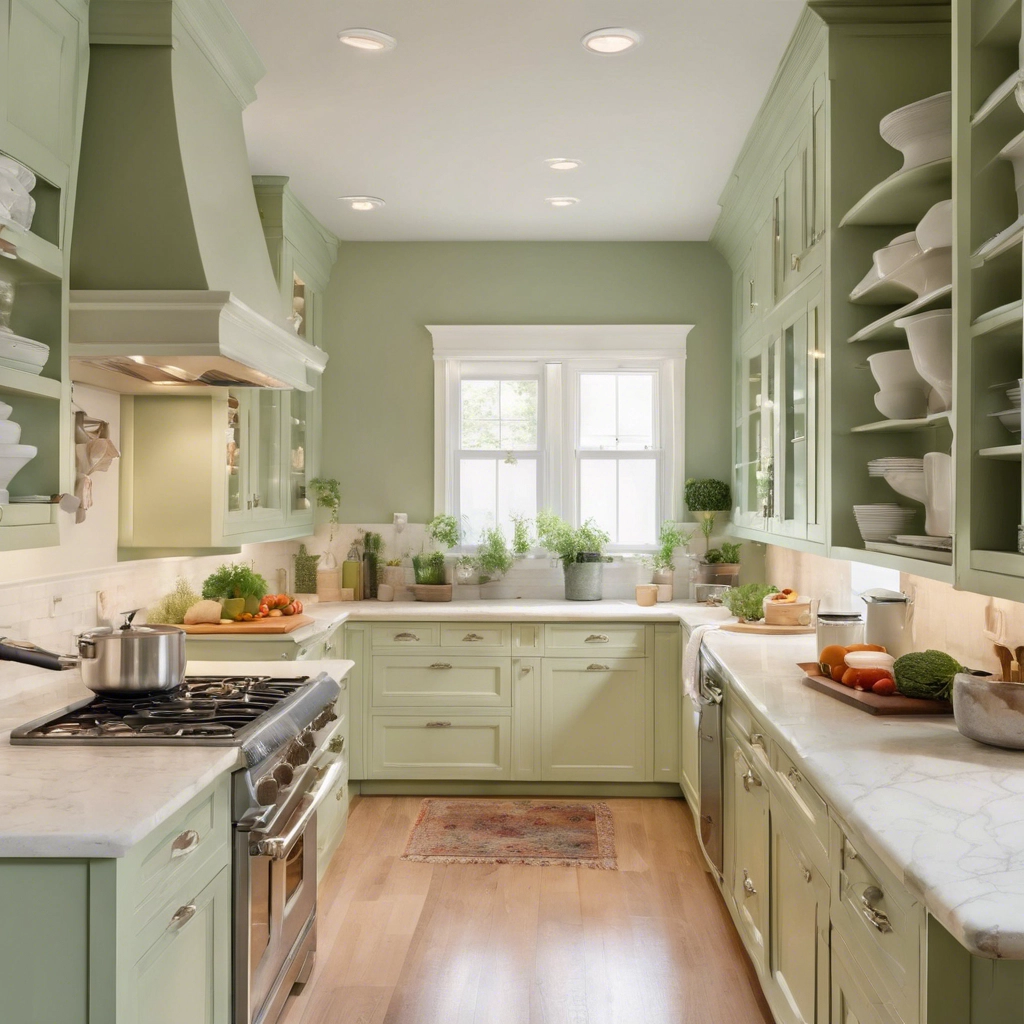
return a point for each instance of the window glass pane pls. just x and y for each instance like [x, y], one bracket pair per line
[599, 494]
[517, 492]
[597, 410]
[636, 410]
[499, 415]
[616, 411]
[492, 490]
[638, 489]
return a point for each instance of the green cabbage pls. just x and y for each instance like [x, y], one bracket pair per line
[926, 674]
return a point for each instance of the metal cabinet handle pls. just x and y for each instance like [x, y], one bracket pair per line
[472, 638]
[750, 779]
[748, 885]
[597, 638]
[439, 725]
[183, 915]
[757, 739]
[441, 664]
[597, 668]
[406, 637]
[794, 776]
[875, 917]
[184, 844]
[807, 874]
[794, 262]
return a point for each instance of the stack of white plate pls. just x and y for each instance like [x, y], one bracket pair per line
[22, 353]
[894, 464]
[17, 207]
[880, 522]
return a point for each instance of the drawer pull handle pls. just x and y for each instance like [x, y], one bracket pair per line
[875, 917]
[807, 874]
[439, 725]
[184, 844]
[757, 739]
[406, 637]
[441, 664]
[794, 776]
[597, 638]
[748, 885]
[750, 779]
[472, 638]
[183, 915]
[597, 668]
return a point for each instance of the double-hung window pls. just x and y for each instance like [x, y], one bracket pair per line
[585, 421]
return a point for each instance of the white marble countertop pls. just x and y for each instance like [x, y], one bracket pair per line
[60, 800]
[944, 813]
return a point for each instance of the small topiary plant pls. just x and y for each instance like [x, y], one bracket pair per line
[705, 499]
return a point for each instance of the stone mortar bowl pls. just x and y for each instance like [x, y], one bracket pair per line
[988, 711]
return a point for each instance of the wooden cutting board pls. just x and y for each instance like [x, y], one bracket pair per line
[763, 629]
[872, 703]
[258, 627]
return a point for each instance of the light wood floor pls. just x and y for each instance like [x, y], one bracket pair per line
[404, 943]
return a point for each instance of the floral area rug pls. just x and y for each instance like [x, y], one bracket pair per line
[537, 832]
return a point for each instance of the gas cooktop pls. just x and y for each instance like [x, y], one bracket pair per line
[204, 710]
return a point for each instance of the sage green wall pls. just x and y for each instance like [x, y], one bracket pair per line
[378, 388]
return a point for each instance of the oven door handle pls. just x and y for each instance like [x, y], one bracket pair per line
[278, 847]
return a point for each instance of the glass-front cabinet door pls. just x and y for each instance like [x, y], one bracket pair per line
[236, 460]
[266, 424]
[298, 450]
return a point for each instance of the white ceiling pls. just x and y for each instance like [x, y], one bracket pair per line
[452, 127]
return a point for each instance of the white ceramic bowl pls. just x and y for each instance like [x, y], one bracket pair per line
[15, 203]
[5, 410]
[19, 171]
[1014, 152]
[909, 485]
[930, 336]
[10, 432]
[22, 353]
[902, 403]
[1010, 418]
[921, 131]
[938, 488]
[926, 272]
[896, 253]
[989, 711]
[935, 228]
[895, 369]
[13, 457]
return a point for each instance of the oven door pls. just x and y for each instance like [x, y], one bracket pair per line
[275, 933]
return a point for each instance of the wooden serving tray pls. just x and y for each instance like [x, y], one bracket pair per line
[764, 629]
[872, 703]
[277, 625]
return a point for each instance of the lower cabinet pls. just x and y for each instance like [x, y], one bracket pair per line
[595, 719]
[689, 760]
[442, 743]
[852, 999]
[799, 926]
[185, 974]
[746, 864]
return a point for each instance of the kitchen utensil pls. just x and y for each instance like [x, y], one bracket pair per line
[938, 491]
[840, 628]
[13, 458]
[872, 703]
[895, 254]
[935, 229]
[890, 620]
[921, 131]
[127, 660]
[903, 403]
[989, 711]
[930, 337]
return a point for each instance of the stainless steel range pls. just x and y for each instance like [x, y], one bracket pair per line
[284, 731]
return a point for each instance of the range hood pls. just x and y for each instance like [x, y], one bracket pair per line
[171, 280]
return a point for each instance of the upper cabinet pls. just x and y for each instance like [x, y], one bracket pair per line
[44, 47]
[214, 471]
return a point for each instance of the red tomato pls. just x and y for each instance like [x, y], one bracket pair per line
[886, 686]
[288, 609]
[282, 600]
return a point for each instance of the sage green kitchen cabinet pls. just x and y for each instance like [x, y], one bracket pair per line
[142, 939]
[746, 849]
[799, 926]
[852, 998]
[596, 719]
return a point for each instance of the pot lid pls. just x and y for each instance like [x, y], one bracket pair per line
[882, 596]
[129, 632]
[840, 616]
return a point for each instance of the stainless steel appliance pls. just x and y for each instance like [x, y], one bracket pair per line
[710, 743]
[285, 731]
[127, 660]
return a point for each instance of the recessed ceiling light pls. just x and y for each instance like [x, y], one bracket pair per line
[362, 202]
[562, 200]
[367, 39]
[563, 163]
[611, 40]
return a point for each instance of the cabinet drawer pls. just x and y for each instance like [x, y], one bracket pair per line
[802, 802]
[170, 856]
[444, 744]
[444, 680]
[879, 922]
[477, 636]
[747, 728]
[618, 641]
[405, 635]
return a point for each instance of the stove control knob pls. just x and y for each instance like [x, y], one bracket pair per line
[284, 774]
[297, 754]
[266, 790]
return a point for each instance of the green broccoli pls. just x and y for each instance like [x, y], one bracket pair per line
[926, 674]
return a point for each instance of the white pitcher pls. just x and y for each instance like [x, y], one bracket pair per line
[890, 616]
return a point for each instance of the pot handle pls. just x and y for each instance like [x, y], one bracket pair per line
[29, 654]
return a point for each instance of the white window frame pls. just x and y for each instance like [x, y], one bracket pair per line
[563, 351]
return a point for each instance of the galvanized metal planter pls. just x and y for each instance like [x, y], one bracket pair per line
[583, 581]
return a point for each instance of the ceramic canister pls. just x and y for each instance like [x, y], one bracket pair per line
[646, 594]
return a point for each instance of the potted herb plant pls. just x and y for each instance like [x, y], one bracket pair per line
[328, 495]
[494, 557]
[237, 587]
[705, 499]
[581, 550]
[721, 564]
[429, 566]
[671, 537]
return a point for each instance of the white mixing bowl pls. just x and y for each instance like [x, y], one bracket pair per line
[930, 336]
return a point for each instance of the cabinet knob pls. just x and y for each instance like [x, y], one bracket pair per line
[794, 776]
[750, 779]
[807, 874]
[875, 917]
[757, 739]
[183, 915]
[748, 885]
[185, 843]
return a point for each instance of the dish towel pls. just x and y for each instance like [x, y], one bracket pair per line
[691, 657]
